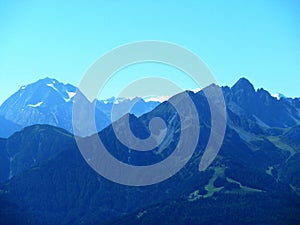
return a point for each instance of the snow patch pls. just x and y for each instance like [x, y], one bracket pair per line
[117, 101]
[156, 99]
[122, 100]
[36, 105]
[52, 86]
[196, 90]
[71, 95]
[136, 99]
[278, 96]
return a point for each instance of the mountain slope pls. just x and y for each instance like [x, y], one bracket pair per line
[7, 127]
[65, 190]
[31, 146]
[255, 208]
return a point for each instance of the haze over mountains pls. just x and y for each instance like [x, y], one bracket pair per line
[253, 180]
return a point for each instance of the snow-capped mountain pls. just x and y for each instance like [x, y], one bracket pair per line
[46, 101]
[49, 101]
[43, 93]
[115, 108]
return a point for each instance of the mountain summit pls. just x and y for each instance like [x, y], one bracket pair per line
[244, 85]
[46, 101]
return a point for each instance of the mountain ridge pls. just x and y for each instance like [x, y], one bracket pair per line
[258, 163]
[55, 106]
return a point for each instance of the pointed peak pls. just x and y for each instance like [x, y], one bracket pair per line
[243, 84]
[243, 81]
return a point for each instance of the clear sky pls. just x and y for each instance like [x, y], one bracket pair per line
[61, 39]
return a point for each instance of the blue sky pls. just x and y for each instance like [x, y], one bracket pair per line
[61, 39]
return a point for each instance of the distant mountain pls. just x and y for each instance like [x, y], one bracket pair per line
[48, 101]
[253, 180]
[137, 106]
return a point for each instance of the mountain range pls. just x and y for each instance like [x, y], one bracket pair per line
[253, 180]
[50, 102]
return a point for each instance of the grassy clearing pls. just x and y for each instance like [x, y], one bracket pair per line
[280, 144]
